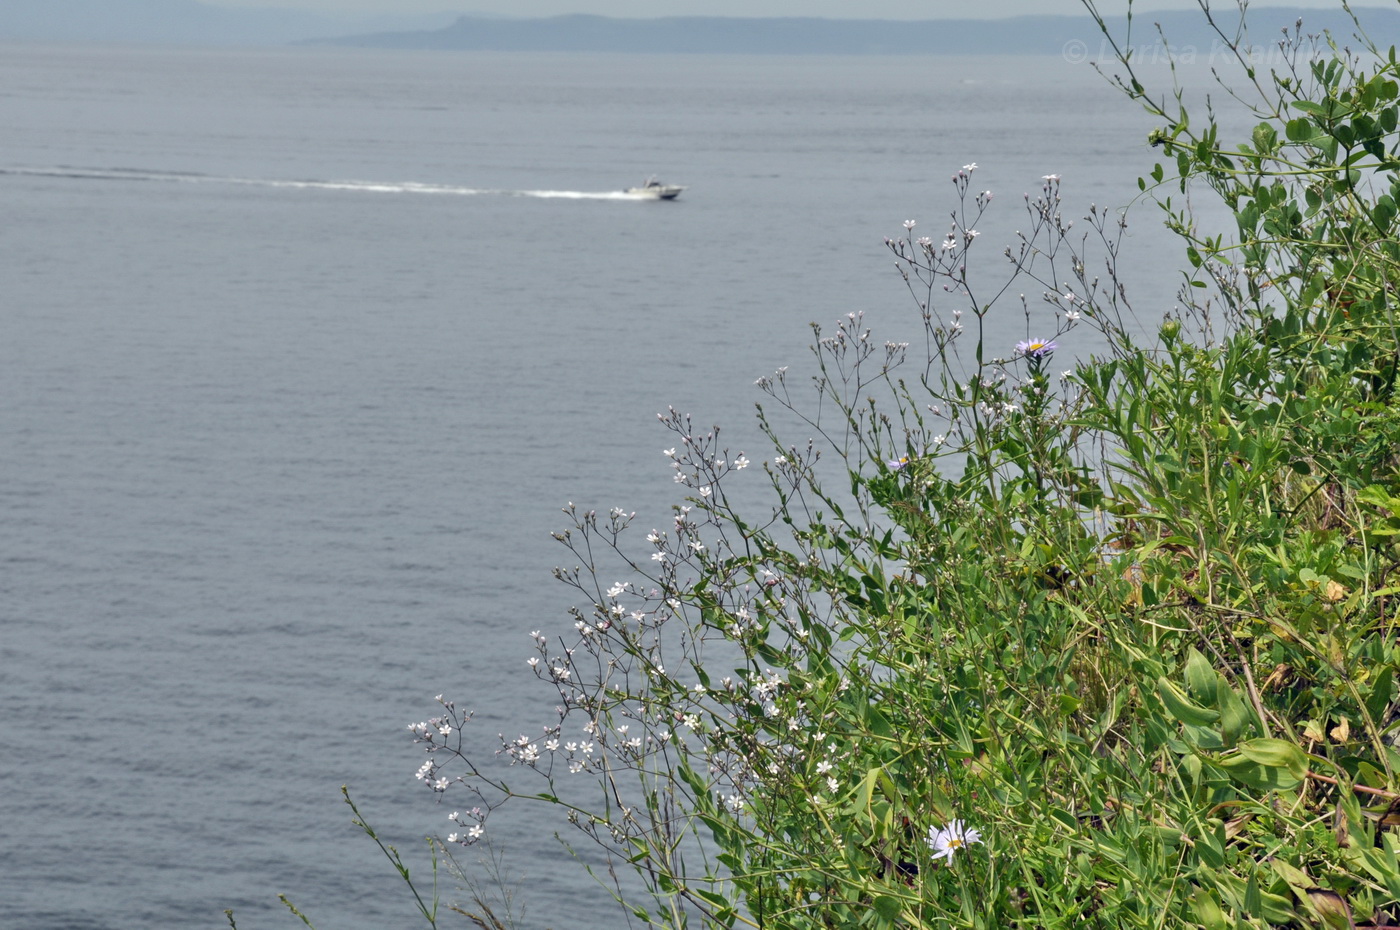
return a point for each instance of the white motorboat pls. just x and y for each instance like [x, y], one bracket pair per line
[655, 190]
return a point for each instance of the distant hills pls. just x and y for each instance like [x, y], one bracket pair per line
[1040, 35]
[191, 22]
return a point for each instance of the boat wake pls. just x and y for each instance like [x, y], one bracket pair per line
[367, 187]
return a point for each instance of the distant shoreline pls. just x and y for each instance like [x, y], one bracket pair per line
[1074, 37]
[187, 22]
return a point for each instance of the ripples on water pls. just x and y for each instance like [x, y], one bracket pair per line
[282, 458]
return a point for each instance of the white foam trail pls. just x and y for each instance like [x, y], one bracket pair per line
[368, 187]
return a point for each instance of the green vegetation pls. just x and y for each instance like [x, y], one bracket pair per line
[1112, 649]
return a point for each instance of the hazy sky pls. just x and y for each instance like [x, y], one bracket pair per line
[887, 9]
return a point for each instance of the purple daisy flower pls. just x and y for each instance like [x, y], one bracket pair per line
[1035, 348]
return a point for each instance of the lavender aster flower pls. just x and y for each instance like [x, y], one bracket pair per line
[897, 464]
[1035, 348]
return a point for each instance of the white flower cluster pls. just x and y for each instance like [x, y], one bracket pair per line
[428, 775]
[473, 823]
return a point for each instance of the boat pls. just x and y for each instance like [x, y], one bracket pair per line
[655, 190]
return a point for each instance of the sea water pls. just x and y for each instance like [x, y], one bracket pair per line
[303, 350]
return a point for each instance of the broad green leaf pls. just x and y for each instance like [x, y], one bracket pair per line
[1278, 753]
[1201, 677]
[888, 906]
[1183, 708]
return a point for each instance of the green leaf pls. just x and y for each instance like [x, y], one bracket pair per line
[1277, 753]
[1266, 764]
[1183, 708]
[1234, 715]
[879, 724]
[1378, 702]
[1299, 130]
[1208, 910]
[1201, 677]
[888, 906]
[1252, 902]
[866, 791]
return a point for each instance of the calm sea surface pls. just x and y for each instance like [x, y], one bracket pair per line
[301, 352]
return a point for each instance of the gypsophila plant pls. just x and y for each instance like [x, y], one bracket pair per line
[1090, 626]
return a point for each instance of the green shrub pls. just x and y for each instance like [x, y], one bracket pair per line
[1012, 648]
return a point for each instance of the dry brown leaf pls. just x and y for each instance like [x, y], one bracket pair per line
[1342, 731]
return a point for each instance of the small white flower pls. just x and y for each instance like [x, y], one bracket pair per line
[832, 784]
[971, 167]
[706, 491]
[658, 556]
[909, 224]
[1050, 177]
[741, 463]
[947, 841]
[476, 831]
[452, 837]
[669, 452]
